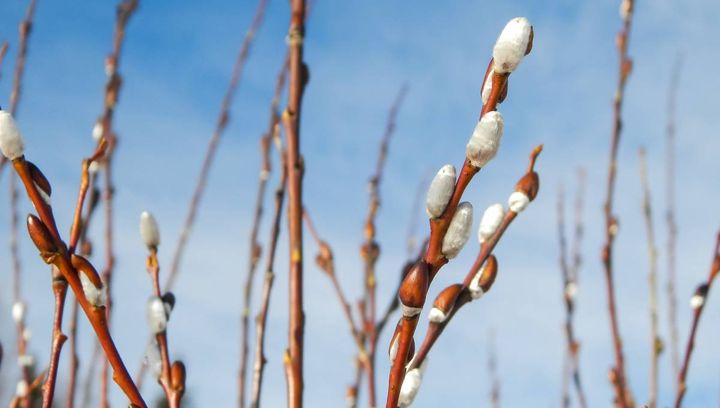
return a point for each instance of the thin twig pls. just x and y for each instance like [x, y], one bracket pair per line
[570, 267]
[125, 10]
[618, 378]
[255, 248]
[672, 227]
[370, 249]
[297, 79]
[698, 303]
[655, 341]
[25, 29]
[222, 122]
[261, 319]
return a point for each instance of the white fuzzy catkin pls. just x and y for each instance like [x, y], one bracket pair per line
[96, 296]
[93, 167]
[476, 291]
[487, 86]
[409, 311]
[157, 315]
[410, 387]
[511, 45]
[518, 202]
[149, 230]
[97, 131]
[27, 334]
[485, 140]
[394, 348]
[440, 191]
[459, 231]
[18, 312]
[26, 360]
[11, 142]
[697, 301]
[22, 388]
[153, 360]
[436, 315]
[491, 220]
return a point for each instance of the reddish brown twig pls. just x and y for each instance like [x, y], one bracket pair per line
[485, 263]
[222, 122]
[85, 250]
[370, 249]
[53, 250]
[125, 10]
[618, 378]
[570, 266]
[297, 79]
[698, 303]
[672, 227]
[255, 248]
[656, 344]
[261, 319]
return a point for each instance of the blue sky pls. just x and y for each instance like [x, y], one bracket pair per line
[176, 65]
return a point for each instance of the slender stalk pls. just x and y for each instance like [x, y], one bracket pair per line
[570, 266]
[222, 122]
[698, 303]
[655, 341]
[672, 227]
[298, 76]
[370, 249]
[25, 29]
[261, 319]
[623, 397]
[255, 247]
[85, 250]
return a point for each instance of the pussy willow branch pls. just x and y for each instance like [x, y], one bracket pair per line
[60, 284]
[15, 402]
[297, 79]
[570, 266]
[370, 249]
[222, 122]
[61, 258]
[433, 256]
[655, 341]
[25, 29]
[255, 248]
[672, 227]
[623, 397]
[261, 319]
[436, 329]
[125, 10]
[702, 291]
